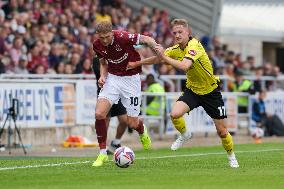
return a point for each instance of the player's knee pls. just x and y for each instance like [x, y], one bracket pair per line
[222, 132]
[175, 115]
[100, 115]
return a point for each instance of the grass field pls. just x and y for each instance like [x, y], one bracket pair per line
[261, 166]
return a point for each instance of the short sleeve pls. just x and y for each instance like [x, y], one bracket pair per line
[129, 38]
[97, 51]
[168, 52]
[194, 51]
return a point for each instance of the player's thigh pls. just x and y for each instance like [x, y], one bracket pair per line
[131, 95]
[179, 109]
[110, 90]
[214, 105]
[186, 102]
[102, 108]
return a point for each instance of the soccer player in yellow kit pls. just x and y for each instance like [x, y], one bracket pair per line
[201, 86]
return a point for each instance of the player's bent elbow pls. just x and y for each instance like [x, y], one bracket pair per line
[185, 67]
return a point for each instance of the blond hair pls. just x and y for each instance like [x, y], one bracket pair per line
[104, 27]
[177, 21]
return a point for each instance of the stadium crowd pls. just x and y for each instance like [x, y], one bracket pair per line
[55, 36]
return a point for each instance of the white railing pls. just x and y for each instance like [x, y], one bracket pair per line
[164, 115]
[173, 81]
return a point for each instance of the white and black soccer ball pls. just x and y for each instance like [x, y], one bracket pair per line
[123, 157]
[257, 132]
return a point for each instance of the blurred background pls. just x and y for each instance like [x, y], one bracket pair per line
[46, 64]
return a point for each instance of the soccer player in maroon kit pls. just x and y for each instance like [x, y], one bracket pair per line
[115, 49]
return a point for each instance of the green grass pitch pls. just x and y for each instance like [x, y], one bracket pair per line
[261, 166]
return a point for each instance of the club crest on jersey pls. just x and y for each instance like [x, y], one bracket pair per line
[192, 52]
[117, 47]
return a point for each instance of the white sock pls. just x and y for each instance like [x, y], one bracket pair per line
[232, 155]
[116, 141]
[186, 134]
[103, 151]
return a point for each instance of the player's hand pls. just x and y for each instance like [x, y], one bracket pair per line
[159, 50]
[101, 81]
[131, 65]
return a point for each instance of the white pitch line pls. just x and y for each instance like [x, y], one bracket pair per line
[45, 165]
[139, 158]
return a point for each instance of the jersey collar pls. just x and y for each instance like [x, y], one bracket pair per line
[190, 38]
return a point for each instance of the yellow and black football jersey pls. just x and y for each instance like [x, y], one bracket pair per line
[200, 77]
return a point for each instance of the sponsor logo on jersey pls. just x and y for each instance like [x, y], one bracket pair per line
[192, 52]
[117, 47]
[118, 61]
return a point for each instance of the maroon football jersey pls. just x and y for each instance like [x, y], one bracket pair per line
[119, 53]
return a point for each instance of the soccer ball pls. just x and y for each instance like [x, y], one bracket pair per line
[123, 157]
[257, 132]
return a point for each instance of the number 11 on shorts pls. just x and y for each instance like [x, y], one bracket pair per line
[222, 110]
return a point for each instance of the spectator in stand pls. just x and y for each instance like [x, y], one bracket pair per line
[271, 124]
[16, 51]
[251, 62]
[87, 67]
[268, 71]
[35, 58]
[3, 36]
[21, 68]
[102, 15]
[230, 58]
[242, 85]
[60, 68]
[230, 72]
[154, 103]
[39, 69]
[68, 69]
[75, 62]
[276, 71]
[54, 57]
[246, 68]
[218, 57]
[2, 16]
[257, 86]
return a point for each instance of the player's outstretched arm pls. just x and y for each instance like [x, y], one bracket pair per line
[182, 65]
[149, 41]
[146, 61]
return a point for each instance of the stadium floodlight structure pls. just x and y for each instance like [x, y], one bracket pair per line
[12, 116]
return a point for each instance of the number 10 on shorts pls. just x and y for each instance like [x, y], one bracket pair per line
[222, 110]
[134, 101]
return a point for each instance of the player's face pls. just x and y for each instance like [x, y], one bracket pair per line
[181, 34]
[106, 38]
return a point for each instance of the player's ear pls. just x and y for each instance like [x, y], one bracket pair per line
[189, 29]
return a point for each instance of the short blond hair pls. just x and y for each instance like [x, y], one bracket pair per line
[104, 27]
[177, 21]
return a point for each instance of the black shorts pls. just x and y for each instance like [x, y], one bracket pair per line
[212, 102]
[117, 110]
